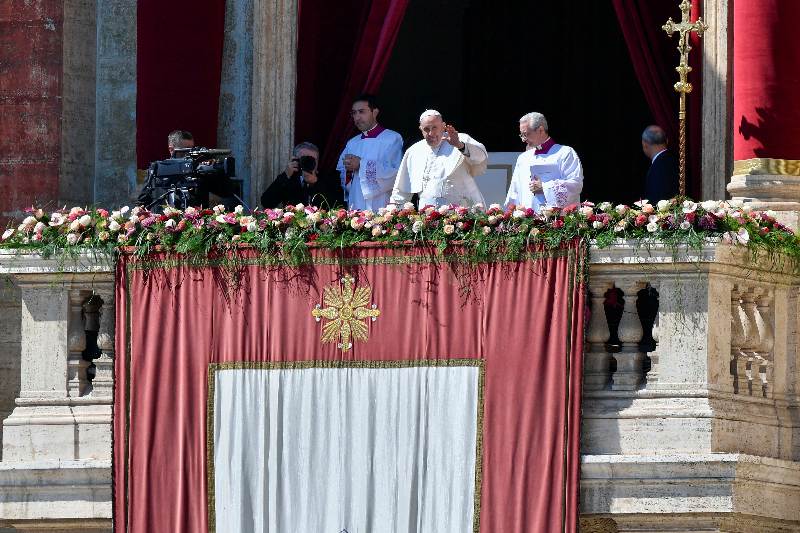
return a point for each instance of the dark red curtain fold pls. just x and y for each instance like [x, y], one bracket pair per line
[178, 72]
[344, 59]
[654, 56]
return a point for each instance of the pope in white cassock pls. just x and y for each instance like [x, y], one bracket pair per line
[369, 161]
[546, 174]
[441, 167]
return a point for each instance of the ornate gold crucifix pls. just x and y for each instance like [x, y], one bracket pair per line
[684, 29]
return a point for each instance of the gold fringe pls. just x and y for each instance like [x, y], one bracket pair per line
[764, 165]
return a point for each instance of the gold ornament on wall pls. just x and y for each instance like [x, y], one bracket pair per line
[347, 308]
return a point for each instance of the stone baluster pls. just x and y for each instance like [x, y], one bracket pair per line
[77, 381]
[738, 327]
[103, 382]
[597, 360]
[647, 308]
[766, 335]
[751, 340]
[630, 359]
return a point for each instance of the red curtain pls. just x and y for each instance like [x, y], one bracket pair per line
[178, 71]
[173, 321]
[347, 55]
[654, 56]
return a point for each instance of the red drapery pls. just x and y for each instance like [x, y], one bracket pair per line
[174, 321]
[766, 70]
[654, 56]
[178, 70]
[343, 59]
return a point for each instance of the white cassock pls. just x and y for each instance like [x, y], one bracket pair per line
[380, 151]
[442, 175]
[559, 169]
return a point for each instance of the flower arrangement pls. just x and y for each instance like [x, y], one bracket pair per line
[485, 233]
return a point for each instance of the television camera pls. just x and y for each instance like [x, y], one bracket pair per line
[186, 179]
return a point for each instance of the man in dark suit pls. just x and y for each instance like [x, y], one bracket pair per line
[661, 182]
[303, 183]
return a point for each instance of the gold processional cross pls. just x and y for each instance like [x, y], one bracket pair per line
[684, 29]
[348, 306]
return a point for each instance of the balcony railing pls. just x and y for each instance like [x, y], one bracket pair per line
[691, 409]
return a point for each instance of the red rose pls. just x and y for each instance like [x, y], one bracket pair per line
[640, 221]
[558, 223]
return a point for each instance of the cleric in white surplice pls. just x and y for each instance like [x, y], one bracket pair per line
[441, 167]
[369, 161]
[546, 174]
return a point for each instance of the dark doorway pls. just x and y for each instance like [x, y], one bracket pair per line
[483, 64]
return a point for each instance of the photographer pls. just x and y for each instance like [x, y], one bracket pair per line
[303, 183]
[178, 144]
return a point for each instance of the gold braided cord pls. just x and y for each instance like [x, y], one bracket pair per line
[765, 165]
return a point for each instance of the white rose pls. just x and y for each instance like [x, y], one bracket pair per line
[29, 221]
[641, 203]
[685, 224]
[72, 238]
[368, 224]
[449, 229]
[220, 219]
[652, 218]
[124, 210]
[605, 206]
[75, 225]
[689, 206]
[652, 226]
[547, 211]
[8, 233]
[75, 210]
[135, 211]
[252, 226]
[85, 220]
[518, 214]
[709, 205]
[408, 205]
[39, 227]
[663, 205]
[170, 223]
[486, 230]
[171, 210]
[742, 236]
[56, 219]
[619, 226]
[444, 209]
[492, 219]
[376, 231]
[299, 208]
[417, 226]
[621, 209]
[219, 209]
[113, 226]
[736, 203]
[190, 211]
[587, 211]
[238, 209]
[495, 206]
[391, 208]
[597, 224]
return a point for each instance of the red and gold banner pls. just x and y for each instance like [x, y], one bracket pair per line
[519, 324]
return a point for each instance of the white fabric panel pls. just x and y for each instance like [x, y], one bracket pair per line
[365, 450]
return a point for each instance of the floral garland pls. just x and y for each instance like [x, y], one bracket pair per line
[486, 233]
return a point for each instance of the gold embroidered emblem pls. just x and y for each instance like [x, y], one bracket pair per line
[347, 307]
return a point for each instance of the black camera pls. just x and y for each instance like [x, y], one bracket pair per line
[187, 177]
[306, 163]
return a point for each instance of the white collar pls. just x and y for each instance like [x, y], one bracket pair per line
[658, 154]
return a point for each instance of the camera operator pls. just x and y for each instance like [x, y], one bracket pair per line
[303, 183]
[178, 142]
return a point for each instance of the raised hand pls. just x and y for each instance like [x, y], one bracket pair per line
[452, 136]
